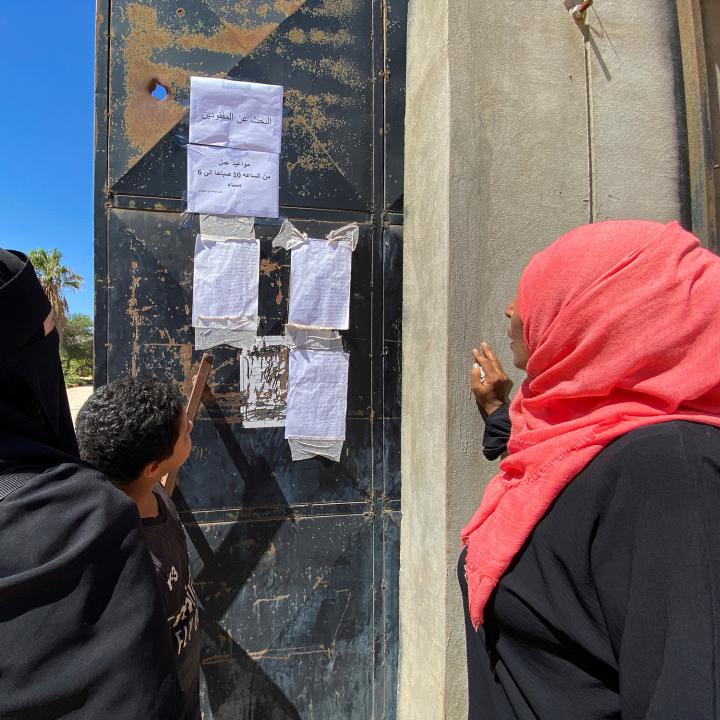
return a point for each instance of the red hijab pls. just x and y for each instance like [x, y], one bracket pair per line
[622, 321]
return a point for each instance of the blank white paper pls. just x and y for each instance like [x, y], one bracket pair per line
[232, 113]
[320, 285]
[225, 181]
[317, 394]
[225, 283]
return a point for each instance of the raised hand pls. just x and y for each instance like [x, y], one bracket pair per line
[488, 381]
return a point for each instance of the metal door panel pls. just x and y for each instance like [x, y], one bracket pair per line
[296, 562]
[288, 598]
[391, 608]
[394, 74]
[149, 332]
[319, 51]
[392, 358]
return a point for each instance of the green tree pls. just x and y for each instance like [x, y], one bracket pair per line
[55, 278]
[77, 347]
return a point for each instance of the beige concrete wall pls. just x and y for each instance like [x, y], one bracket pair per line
[511, 124]
[637, 139]
[425, 394]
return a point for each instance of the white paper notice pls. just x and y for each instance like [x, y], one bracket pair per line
[320, 285]
[225, 181]
[317, 395]
[225, 283]
[230, 113]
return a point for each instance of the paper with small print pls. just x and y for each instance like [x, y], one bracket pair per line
[226, 181]
[317, 395]
[225, 283]
[320, 285]
[232, 113]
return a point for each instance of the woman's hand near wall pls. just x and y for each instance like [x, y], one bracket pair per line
[488, 381]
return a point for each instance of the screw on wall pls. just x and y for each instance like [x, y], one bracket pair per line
[578, 11]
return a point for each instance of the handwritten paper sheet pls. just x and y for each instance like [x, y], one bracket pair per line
[320, 285]
[263, 383]
[230, 113]
[317, 395]
[225, 283]
[226, 181]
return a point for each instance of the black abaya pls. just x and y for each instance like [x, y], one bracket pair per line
[612, 608]
[82, 630]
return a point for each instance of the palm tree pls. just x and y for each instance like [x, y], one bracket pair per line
[55, 278]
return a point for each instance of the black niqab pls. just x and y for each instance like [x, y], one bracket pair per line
[81, 619]
[33, 399]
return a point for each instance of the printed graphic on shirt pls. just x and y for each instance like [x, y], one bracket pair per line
[187, 620]
[165, 539]
[172, 577]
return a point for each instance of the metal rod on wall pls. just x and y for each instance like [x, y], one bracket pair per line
[697, 112]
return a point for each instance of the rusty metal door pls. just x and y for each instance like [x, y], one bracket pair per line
[296, 563]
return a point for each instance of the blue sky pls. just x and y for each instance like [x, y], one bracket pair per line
[46, 182]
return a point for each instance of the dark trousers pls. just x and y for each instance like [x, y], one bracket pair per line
[192, 705]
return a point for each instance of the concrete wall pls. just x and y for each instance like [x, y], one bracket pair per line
[520, 124]
[426, 395]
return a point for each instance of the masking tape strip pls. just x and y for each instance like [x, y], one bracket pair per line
[347, 236]
[222, 227]
[206, 338]
[311, 338]
[305, 448]
[289, 236]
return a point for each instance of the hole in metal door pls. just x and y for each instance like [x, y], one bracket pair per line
[158, 90]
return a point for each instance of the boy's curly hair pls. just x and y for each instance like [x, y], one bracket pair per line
[128, 424]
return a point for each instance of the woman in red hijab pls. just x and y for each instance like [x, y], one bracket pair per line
[591, 569]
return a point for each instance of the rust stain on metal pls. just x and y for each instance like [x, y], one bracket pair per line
[186, 351]
[338, 38]
[134, 313]
[296, 35]
[309, 116]
[268, 268]
[340, 70]
[146, 119]
[335, 8]
[230, 39]
[287, 7]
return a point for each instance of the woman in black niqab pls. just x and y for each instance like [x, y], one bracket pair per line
[33, 400]
[82, 628]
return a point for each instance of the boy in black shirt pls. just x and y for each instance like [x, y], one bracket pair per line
[135, 431]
